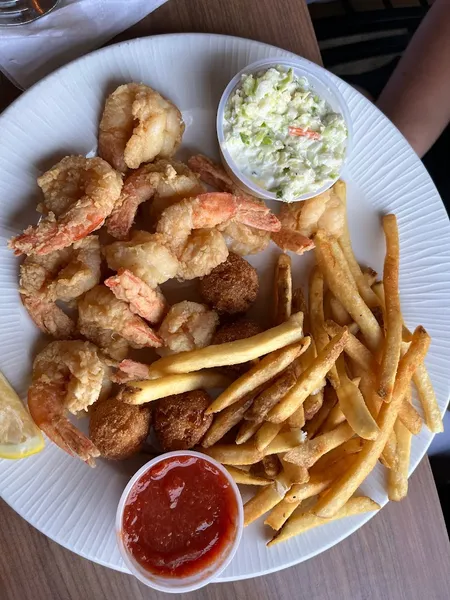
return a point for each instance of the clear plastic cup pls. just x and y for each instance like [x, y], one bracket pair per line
[320, 82]
[179, 585]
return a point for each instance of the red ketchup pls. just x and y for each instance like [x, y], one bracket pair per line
[179, 517]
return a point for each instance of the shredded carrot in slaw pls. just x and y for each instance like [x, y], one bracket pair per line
[298, 131]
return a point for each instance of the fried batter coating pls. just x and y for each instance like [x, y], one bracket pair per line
[179, 420]
[231, 287]
[117, 429]
[138, 125]
[187, 325]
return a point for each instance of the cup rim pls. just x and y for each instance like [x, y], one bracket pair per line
[312, 72]
[229, 552]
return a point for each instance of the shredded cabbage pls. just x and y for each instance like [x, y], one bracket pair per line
[281, 135]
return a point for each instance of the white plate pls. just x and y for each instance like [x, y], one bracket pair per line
[75, 505]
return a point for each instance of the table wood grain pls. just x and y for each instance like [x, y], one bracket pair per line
[403, 553]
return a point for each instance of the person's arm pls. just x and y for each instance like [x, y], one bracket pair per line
[417, 96]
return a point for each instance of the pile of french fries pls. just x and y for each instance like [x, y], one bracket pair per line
[328, 395]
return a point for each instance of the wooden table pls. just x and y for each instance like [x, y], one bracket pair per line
[402, 553]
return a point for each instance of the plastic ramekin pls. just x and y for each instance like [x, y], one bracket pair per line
[320, 81]
[178, 585]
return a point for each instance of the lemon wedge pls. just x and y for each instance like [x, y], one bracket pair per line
[19, 436]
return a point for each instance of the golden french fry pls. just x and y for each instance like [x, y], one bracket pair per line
[299, 523]
[388, 457]
[355, 349]
[320, 479]
[316, 312]
[266, 433]
[271, 465]
[342, 489]
[333, 265]
[140, 392]
[356, 381]
[314, 401]
[427, 397]
[353, 328]
[299, 305]
[231, 353]
[248, 468]
[367, 387]
[410, 418]
[338, 455]
[335, 418]
[317, 318]
[313, 425]
[264, 499]
[226, 420]
[285, 441]
[338, 312]
[246, 478]
[393, 316]
[294, 473]
[297, 419]
[270, 396]
[246, 431]
[283, 289]
[398, 475]
[309, 452]
[366, 369]
[230, 454]
[351, 402]
[422, 381]
[312, 404]
[358, 276]
[280, 513]
[369, 275]
[267, 368]
[309, 380]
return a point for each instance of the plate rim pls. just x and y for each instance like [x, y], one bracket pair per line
[419, 164]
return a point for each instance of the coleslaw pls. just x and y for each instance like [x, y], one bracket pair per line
[282, 135]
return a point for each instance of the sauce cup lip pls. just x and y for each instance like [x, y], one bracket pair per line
[160, 583]
[312, 72]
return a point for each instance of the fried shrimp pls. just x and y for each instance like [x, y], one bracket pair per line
[143, 300]
[146, 256]
[179, 184]
[49, 317]
[67, 376]
[61, 275]
[325, 211]
[137, 126]
[187, 326]
[301, 220]
[130, 370]
[79, 193]
[65, 274]
[162, 182]
[100, 310]
[200, 251]
[241, 239]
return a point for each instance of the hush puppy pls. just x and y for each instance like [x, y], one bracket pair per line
[118, 429]
[231, 287]
[179, 420]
